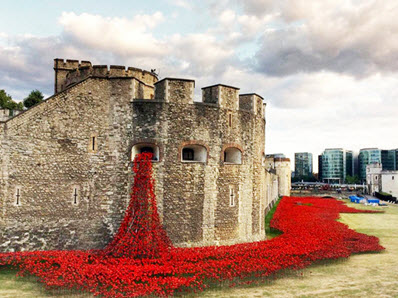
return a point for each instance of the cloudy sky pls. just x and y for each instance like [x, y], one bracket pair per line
[327, 69]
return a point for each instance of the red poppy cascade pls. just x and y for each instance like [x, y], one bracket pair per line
[140, 259]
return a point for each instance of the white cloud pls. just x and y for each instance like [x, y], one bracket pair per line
[118, 35]
[27, 60]
[335, 111]
[227, 18]
[327, 69]
[204, 52]
[182, 3]
[354, 37]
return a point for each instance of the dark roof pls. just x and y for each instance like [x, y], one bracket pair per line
[221, 85]
[252, 94]
[176, 79]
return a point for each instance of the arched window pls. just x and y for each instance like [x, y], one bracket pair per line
[188, 154]
[194, 153]
[145, 147]
[232, 155]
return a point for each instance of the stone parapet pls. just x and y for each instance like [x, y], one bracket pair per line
[71, 72]
[222, 95]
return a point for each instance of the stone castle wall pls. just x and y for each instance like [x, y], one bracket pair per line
[66, 164]
[284, 173]
[195, 204]
[271, 181]
[47, 156]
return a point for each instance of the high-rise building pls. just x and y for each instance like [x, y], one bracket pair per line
[349, 163]
[367, 156]
[389, 159]
[356, 164]
[303, 164]
[320, 167]
[396, 158]
[336, 164]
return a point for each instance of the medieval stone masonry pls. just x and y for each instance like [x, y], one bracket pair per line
[65, 164]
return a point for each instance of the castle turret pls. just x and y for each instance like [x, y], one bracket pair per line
[222, 95]
[71, 72]
[252, 102]
[62, 69]
[175, 90]
[282, 167]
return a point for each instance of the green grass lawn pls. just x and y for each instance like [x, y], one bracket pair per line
[271, 233]
[13, 286]
[361, 275]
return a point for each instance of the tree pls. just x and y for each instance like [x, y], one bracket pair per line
[352, 179]
[34, 98]
[6, 102]
[309, 178]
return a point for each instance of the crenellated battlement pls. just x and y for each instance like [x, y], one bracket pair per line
[173, 89]
[252, 102]
[69, 64]
[71, 71]
[147, 86]
[223, 96]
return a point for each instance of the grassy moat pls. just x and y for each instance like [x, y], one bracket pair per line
[366, 275]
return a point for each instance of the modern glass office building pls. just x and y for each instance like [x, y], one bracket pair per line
[367, 156]
[389, 159]
[303, 164]
[336, 164]
[349, 163]
[320, 168]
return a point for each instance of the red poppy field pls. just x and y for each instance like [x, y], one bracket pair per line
[141, 260]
